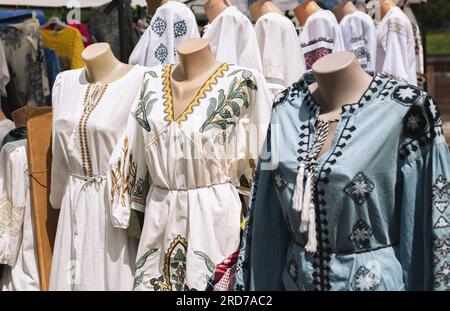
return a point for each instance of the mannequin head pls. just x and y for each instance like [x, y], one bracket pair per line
[152, 5]
[20, 116]
[305, 10]
[261, 7]
[214, 8]
[344, 8]
[196, 57]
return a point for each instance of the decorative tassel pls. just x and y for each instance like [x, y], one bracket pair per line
[306, 205]
[311, 246]
[297, 198]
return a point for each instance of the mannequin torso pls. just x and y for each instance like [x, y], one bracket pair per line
[344, 8]
[385, 7]
[214, 8]
[101, 64]
[340, 81]
[261, 7]
[2, 115]
[197, 63]
[305, 10]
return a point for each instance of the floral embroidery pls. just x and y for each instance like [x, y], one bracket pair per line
[367, 278]
[179, 28]
[123, 182]
[139, 264]
[280, 181]
[167, 92]
[221, 111]
[174, 277]
[442, 245]
[11, 224]
[145, 104]
[159, 26]
[293, 269]
[361, 234]
[359, 188]
[414, 122]
[161, 53]
[442, 277]
[208, 262]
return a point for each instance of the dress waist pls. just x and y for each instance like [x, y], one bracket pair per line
[95, 178]
[191, 188]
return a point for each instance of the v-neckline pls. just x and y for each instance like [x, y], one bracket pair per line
[201, 93]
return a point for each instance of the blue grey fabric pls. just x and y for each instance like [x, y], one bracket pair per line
[382, 204]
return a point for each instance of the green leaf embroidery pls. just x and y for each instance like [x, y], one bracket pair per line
[225, 114]
[138, 280]
[232, 87]
[208, 262]
[236, 108]
[152, 74]
[212, 107]
[140, 263]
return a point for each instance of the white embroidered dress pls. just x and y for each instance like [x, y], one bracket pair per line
[88, 120]
[277, 40]
[320, 36]
[233, 39]
[396, 47]
[359, 35]
[17, 242]
[193, 165]
[172, 23]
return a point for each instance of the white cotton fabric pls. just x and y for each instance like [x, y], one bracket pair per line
[277, 39]
[396, 47]
[233, 39]
[194, 167]
[359, 36]
[21, 272]
[172, 23]
[89, 253]
[5, 127]
[320, 36]
[4, 72]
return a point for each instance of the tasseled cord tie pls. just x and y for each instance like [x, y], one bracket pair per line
[302, 203]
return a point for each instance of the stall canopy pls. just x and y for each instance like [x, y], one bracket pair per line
[63, 3]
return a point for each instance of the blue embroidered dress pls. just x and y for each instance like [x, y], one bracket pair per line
[382, 197]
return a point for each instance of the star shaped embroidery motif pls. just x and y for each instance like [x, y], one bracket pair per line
[406, 93]
[413, 122]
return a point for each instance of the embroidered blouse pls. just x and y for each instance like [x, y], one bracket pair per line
[381, 204]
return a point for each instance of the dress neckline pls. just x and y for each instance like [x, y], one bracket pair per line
[201, 93]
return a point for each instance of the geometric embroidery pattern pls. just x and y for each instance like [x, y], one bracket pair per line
[440, 201]
[442, 245]
[312, 56]
[161, 53]
[179, 28]
[366, 279]
[414, 122]
[159, 26]
[359, 188]
[361, 234]
[406, 94]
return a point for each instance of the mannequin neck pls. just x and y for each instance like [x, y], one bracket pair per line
[214, 7]
[305, 10]
[2, 115]
[340, 80]
[262, 7]
[385, 7]
[101, 64]
[345, 8]
[153, 5]
[196, 58]
[20, 116]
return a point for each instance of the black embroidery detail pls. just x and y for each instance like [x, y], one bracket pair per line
[361, 234]
[279, 179]
[414, 122]
[159, 26]
[365, 280]
[442, 245]
[359, 188]
[292, 269]
[442, 277]
[280, 98]
[161, 53]
[406, 94]
[314, 41]
[359, 48]
[179, 28]
[312, 56]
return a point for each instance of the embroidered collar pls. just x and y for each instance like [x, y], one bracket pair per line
[374, 88]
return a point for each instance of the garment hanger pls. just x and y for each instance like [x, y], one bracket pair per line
[54, 22]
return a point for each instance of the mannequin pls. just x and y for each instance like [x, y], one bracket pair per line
[340, 80]
[2, 115]
[197, 63]
[152, 5]
[101, 64]
[344, 8]
[20, 116]
[214, 7]
[305, 10]
[386, 6]
[261, 7]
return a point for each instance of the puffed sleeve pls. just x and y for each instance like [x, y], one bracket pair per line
[139, 54]
[395, 46]
[252, 128]
[424, 176]
[128, 177]
[59, 168]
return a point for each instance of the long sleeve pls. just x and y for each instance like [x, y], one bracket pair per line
[78, 47]
[425, 198]
[128, 177]
[59, 168]
[139, 54]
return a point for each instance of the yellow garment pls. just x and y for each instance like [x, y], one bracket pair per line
[67, 44]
